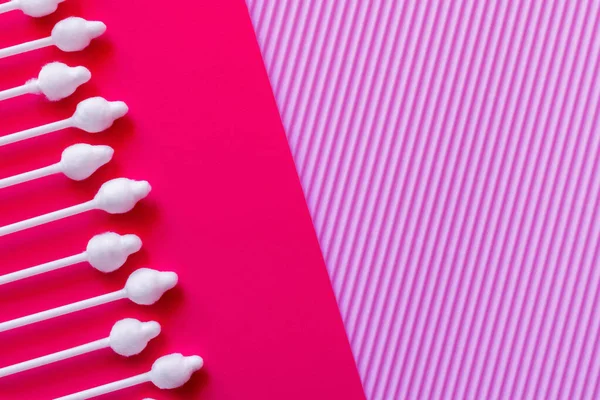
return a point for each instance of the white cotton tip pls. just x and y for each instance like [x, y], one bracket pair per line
[174, 370]
[80, 161]
[97, 114]
[120, 195]
[146, 286]
[109, 251]
[57, 80]
[75, 34]
[130, 337]
[38, 8]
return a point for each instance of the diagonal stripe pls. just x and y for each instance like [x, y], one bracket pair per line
[450, 157]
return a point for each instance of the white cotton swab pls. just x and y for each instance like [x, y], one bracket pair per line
[168, 372]
[117, 196]
[92, 115]
[56, 81]
[69, 35]
[78, 162]
[32, 8]
[106, 252]
[144, 287]
[127, 338]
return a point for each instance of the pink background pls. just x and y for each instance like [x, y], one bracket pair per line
[227, 213]
[449, 155]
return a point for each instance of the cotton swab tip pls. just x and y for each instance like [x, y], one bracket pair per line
[75, 34]
[97, 114]
[38, 8]
[120, 195]
[109, 251]
[130, 337]
[146, 286]
[80, 161]
[96, 29]
[195, 363]
[58, 81]
[118, 109]
[174, 370]
[141, 189]
[131, 243]
[82, 74]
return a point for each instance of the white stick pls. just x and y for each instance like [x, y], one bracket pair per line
[106, 252]
[92, 115]
[10, 6]
[55, 81]
[33, 8]
[43, 268]
[109, 388]
[52, 358]
[144, 286]
[128, 337]
[71, 34]
[116, 196]
[18, 91]
[168, 372]
[64, 310]
[46, 218]
[25, 47]
[78, 162]
[34, 132]
[29, 176]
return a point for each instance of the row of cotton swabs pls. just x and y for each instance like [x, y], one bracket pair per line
[106, 252]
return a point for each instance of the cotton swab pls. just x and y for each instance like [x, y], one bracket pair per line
[168, 372]
[127, 338]
[78, 162]
[56, 81]
[117, 196]
[106, 252]
[92, 115]
[32, 8]
[144, 287]
[71, 34]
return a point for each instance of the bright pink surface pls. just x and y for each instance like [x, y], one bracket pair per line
[227, 213]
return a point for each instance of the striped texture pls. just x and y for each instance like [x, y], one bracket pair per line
[449, 155]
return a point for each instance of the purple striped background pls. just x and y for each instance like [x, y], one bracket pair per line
[449, 155]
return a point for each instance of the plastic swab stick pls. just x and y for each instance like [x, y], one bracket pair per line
[127, 338]
[144, 287]
[106, 252]
[71, 34]
[78, 162]
[92, 115]
[117, 196]
[55, 81]
[33, 8]
[168, 372]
